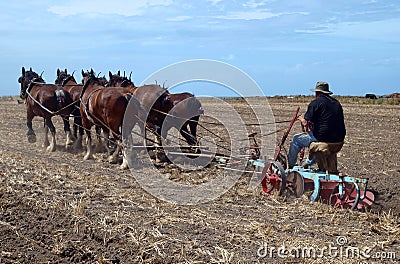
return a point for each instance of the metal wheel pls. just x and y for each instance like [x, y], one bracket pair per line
[274, 177]
[345, 196]
[294, 184]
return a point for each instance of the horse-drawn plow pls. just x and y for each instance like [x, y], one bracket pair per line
[336, 189]
[331, 187]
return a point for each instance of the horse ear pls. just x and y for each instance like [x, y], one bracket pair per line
[65, 70]
[119, 73]
[23, 71]
[30, 68]
[91, 71]
[83, 73]
[109, 74]
[124, 73]
[58, 72]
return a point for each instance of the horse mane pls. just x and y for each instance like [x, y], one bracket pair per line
[67, 79]
[35, 81]
[115, 78]
[92, 79]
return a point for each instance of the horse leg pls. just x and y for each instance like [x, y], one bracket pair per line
[78, 126]
[89, 153]
[114, 156]
[50, 125]
[30, 134]
[193, 128]
[185, 133]
[67, 130]
[46, 141]
[104, 144]
[130, 155]
[75, 129]
[160, 154]
[100, 144]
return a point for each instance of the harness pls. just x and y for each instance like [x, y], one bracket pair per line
[31, 84]
[86, 106]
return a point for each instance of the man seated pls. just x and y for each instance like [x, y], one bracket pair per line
[325, 120]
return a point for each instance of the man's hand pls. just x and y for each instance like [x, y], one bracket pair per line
[302, 120]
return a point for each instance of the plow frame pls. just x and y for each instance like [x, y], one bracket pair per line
[337, 190]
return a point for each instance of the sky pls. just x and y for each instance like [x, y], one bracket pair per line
[286, 46]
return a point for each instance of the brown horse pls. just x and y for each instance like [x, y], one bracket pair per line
[106, 108]
[45, 100]
[184, 115]
[69, 83]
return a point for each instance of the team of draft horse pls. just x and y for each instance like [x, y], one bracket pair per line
[103, 104]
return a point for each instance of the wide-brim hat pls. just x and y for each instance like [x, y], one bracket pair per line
[322, 87]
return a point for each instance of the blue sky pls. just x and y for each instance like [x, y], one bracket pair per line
[286, 46]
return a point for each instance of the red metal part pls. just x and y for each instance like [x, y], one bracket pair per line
[271, 182]
[346, 199]
[367, 201]
[271, 179]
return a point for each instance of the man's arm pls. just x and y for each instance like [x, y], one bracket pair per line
[306, 123]
[302, 120]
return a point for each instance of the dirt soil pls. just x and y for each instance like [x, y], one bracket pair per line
[57, 208]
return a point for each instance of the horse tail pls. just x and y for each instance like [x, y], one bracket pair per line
[60, 93]
[60, 96]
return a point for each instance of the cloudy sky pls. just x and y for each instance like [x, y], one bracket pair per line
[286, 46]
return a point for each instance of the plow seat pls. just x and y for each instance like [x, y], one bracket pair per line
[326, 155]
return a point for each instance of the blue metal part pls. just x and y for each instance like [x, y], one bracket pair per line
[258, 163]
[312, 173]
[318, 176]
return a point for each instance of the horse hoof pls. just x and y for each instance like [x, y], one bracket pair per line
[51, 148]
[124, 166]
[69, 147]
[88, 157]
[112, 159]
[31, 138]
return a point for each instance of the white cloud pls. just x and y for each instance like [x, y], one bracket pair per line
[249, 15]
[119, 7]
[229, 57]
[256, 15]
[214, 2]
[384, 30]
[388, 61]
[179, 18]
[255, 4]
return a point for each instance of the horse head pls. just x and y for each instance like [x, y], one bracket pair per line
[27, 79]
[86, 75]
[89, 78]
[63, 77]
[103, 80]
[116, 80]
